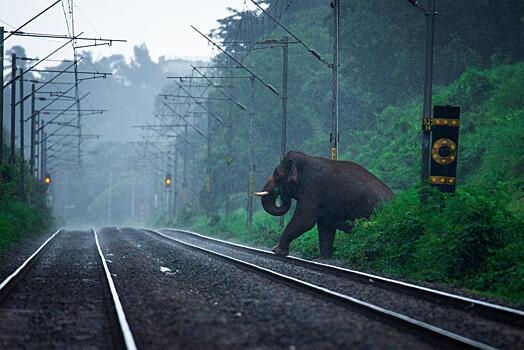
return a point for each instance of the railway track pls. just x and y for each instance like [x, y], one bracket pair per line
[483, 311]
[489, 310]
[331, 284]
[176, 297]
[124, 333]
[12, 294]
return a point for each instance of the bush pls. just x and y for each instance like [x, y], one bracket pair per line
[469, 239]
[21, 219]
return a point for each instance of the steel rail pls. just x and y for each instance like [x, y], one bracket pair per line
[125, 330]
[13, 279]
[430, 332]
[479, 307]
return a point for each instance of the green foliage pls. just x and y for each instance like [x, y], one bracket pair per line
[264, 233]
[469, 239]
[492, 124]
[21, 219]
[381, 75]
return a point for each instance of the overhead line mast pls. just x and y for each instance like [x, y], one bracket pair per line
[335, 4]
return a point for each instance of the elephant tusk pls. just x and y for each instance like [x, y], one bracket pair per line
[261, 194]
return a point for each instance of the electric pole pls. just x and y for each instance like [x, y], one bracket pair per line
[168, 185]
[133, 175]
[175, 185]
[208, 165]
[41, 153]
[283, 145]
[1, 97]
[229, 157]
[13, 110]
[44, 154]
[184, 169]
[251, 155]
[334, 137]
[21, 182]
[109, 199]
[428, 83]
[33, 127]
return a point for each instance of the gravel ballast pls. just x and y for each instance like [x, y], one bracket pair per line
[178, 298]
[467, 324]
[60, 303]
[14, 255]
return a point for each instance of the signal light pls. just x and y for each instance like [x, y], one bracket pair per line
[168, 180]
[47, 179]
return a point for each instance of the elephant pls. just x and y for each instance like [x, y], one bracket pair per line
[328, 193]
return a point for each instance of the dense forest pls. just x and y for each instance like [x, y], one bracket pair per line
[478, 65]
[382, 67]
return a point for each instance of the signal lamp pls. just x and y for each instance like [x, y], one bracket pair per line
[47, 179]
[168, 180]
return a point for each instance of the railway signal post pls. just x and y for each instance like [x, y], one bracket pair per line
[444, 147]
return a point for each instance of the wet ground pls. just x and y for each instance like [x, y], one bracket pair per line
[204, 303]
[461, 322]
[60, 303]
[176, 298]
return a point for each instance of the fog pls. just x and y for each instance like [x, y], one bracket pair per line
[138, 126]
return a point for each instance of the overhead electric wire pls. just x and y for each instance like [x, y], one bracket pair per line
[32, 19]
[269, 86]
[312, 51]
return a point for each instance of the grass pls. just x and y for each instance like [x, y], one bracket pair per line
[469, 240]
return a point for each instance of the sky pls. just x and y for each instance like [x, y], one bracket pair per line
[163, 25]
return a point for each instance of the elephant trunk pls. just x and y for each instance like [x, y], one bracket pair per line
[269, 201]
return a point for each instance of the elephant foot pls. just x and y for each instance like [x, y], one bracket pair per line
[278, 250]
[325, 257]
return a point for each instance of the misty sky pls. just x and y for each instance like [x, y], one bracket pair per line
[164, 25]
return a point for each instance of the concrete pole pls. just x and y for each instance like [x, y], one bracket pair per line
[285, 60]
[229, 158]
[175, 182]
[283, 146]
[66, 192]
[428, 84]
[37, 147]
[12, 157]
[167, 202]
[21, 182]
[146, 196]
[1, 97]
[33, 127]
[132, 198]
[109, 198]
[334, 137]
[251, 156]
[44, 154]
[184, 169]
[208, 164]
[41, 153]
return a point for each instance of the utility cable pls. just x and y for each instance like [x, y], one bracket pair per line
[312, 51]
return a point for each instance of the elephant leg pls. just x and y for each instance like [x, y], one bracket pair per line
[304, 218]
[326, 237]
[343, 226]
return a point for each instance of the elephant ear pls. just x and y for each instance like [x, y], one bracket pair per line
[293, 173]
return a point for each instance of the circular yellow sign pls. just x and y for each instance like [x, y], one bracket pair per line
[444, 151]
